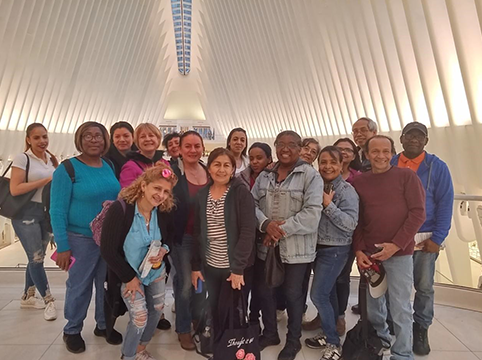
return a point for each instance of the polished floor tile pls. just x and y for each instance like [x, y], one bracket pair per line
[24, 334]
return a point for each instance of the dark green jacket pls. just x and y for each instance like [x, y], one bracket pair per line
[240, 220]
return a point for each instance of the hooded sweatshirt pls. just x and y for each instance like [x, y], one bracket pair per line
[136, 165]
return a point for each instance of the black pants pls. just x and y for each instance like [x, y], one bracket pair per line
[215, 280]
[281, 298]
[343, 285]
[292, 289]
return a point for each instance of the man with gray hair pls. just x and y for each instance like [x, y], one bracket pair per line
[363, 129]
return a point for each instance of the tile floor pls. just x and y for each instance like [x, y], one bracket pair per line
[24, 334]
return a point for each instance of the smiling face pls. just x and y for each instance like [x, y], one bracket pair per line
[157, 191]
[380, 154]
[329, 167]
[191, 149]
[173, 147]
[347, 151]
[221, 170]
[361, 132]
[148, 141]
[122, 139]
[258, 160]
[93, 143]
[309, 152]
[237, 143]
[38, 140]
[288, 150]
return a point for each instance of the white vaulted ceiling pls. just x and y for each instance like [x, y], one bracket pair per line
[313, 66]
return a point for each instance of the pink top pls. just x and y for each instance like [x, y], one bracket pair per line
[353, 174]
[132, 170]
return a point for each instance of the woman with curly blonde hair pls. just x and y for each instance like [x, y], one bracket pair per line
[137, 223]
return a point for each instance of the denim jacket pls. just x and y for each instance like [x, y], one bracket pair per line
[340, 217]
[298, 201]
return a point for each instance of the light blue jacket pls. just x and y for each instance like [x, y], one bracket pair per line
[340, 217]
[298, 201]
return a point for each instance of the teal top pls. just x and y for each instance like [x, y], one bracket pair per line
[137, 242]
[74, 205]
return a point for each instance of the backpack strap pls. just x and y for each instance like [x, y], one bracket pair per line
[110, 163]
[70, 169]
[140, 167]
[123, 204]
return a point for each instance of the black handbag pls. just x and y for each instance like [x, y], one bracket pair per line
[238, 342]
[11, 206]
[203, 335]
[274, 270]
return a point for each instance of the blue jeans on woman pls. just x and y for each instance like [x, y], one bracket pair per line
[188, 304]
[31, 229]
[89, 268]
[144, 314]
[329, 262]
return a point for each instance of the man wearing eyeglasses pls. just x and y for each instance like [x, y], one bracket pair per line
[437, 182]
[363, 129]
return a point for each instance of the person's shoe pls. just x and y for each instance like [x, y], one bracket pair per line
[420, 340]
[74, 343]
[115, 337]
[280, 314]
[163, 323]
[32, 303]
[186, 341]
[316, 342]
[386, 347]
[355, 309]
[50, 312]
[144, 355]
[341, 326]
[312, 325]
[289, 351]
[265, 341]
[331, 352]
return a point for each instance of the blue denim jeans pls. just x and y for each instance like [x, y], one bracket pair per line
[188, 304]
[32, 231]
[329, 263]
[89, 268]
[423, 278]
[144, 314]
[399, 271]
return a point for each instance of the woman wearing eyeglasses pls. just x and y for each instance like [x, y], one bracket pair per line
[75, 202]
[310, 148]
[288, 202]
[351, 159]
[132, 228]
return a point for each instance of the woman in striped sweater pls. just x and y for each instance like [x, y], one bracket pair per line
[224, 231]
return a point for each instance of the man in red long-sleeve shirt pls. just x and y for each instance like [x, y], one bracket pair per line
[392, 209]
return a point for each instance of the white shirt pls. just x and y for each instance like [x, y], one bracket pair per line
[38, 170]
[244, 165]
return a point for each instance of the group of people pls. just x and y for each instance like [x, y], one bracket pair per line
[214, 223]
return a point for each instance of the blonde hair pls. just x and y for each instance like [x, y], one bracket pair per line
[147, 127]
[133, 192]
[83, 128]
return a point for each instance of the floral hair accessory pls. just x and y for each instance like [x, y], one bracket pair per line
[166, 173]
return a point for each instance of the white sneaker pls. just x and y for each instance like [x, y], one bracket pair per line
[280, 314]
[50, 312]
[331, 352]
[144, 355]
[32, 303]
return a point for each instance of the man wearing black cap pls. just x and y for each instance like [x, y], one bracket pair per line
[437, 182]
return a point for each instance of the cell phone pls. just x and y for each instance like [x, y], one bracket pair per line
[328, 188]
[54, 258]
[199, 286]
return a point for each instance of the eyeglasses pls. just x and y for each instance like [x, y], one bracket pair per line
[345, 150]
[360, 131]
[312, 151]
[90, 137]
[417, 136]
[291, 145]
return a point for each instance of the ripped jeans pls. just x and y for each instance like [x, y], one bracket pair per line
[144, 314]
[30, 228]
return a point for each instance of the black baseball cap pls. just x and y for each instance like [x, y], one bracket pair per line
[415, 126]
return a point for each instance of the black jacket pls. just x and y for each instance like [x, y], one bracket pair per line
[137, 156]
[112, 241]
[117, 159]
[183, 201]
[240, 220]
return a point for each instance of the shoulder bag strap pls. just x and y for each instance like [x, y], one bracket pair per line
[8, 168]
[27, 168]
